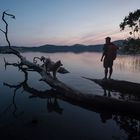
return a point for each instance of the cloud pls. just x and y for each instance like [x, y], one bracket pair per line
[86, 38]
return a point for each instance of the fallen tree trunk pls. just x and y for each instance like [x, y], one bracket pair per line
[118, 85]
[99, 104]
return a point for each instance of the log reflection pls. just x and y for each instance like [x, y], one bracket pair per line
[52, 103]
[129, 123]
[124, 89]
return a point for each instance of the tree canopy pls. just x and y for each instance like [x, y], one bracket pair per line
[133, 22]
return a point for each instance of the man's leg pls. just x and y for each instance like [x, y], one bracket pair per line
[110, 72]
[106, 72]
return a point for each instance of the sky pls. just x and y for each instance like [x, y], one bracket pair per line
[64, 22]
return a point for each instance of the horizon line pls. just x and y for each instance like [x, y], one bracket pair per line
[58, 44]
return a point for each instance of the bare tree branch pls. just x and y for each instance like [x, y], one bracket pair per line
[2, 31]
[6, 29]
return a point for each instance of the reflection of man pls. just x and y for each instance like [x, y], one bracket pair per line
[105, 116]
[109, 55]
[107, 93]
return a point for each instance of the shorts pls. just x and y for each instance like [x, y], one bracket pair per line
[108, 63]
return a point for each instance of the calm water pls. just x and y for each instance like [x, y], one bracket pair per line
[25, 116]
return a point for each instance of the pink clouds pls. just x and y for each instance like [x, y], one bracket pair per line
[87, 38]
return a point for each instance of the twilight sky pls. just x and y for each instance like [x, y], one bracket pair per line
[65, 22]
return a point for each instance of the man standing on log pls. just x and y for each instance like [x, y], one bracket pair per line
[108, 56]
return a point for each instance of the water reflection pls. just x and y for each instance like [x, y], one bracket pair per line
[13, 104]
[130, 124]
[50, 95]
[123, 90]
[53, 105]
[91, 119]
[118, 95]
[128, 63]
[107, 93]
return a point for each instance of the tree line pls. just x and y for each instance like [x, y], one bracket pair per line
[132, 23]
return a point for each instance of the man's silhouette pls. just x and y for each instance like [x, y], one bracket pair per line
[108, 56]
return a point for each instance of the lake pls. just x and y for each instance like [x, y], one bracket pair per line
[25, 116]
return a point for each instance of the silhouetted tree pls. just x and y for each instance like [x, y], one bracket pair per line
[132, 44]
[133, 22]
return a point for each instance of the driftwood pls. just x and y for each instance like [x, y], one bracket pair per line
[118, 85]
[51, 64]
[99, 104]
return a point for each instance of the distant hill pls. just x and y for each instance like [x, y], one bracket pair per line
[77, 48]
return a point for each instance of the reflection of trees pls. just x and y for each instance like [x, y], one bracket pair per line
[128, 63]
[130, 125]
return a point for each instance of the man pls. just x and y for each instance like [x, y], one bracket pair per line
[108, 56]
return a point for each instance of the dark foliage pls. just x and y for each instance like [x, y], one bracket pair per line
[132, 45]
[133, 22]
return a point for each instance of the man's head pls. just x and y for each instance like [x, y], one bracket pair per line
[108, 39]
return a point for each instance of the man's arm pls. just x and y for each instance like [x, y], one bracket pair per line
[103, 54]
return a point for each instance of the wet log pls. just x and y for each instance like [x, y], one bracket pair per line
[96, 103]
[118, 85]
